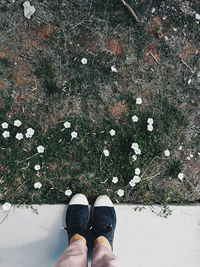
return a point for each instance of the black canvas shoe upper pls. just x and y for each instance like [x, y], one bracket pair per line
[77, 218]
[104, 223]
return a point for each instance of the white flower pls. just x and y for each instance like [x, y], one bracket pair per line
[167, 153]
[150, 127]
[84, 61]
[6, 206]
[68, 192]
[134, 157]
[189, 81]
[113, 69]
[67, 124]
[137, 171]
[4, 125]
[74, 135]
[114, 180]
[37, 167]
[180, 147]
[6, 134]
[30, 131]
[37, 185]
[150, 121]
[197, 16]
[19, 136]
[106, 153]
[135, 118]
[40, 149]
[180, 176]
[138, 100]
[188, 158]
[112, 132]
[132, 183]
[17, 123]
[136, 179]
[138, 151]
[191, 155]
[120, 192]
[134, 146]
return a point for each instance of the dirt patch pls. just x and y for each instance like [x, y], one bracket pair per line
[2, 86]
[45, 30]
[118, 109]
[114, 47]
[188, 50]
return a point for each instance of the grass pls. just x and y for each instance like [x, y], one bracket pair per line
[79, 164]
[59, 88]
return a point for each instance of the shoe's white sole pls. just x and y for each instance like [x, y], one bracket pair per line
[79, 199]
[103, 201]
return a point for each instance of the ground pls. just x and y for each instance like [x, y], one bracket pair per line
[43, 83]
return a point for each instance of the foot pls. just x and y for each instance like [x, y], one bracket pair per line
[104, 219]
[77, 216]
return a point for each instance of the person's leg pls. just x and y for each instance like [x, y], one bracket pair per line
[104, 223]
[77, 218]
[102, 255]
[75, 254]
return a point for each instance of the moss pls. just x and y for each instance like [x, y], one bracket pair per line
[5, 62]
[45, 72]
[174, 168]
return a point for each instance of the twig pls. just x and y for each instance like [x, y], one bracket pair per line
[28, 158]
[151, 177]
[187, 65]
[151, 54]
[132, 12]
[76, 25]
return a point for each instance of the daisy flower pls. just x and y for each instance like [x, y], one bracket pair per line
[84, 61]
[137, 171]
[17, 123]
[167, 153]
[114, 180]
[106, 152]
[138, 151]
[134, 146]
[67, 124]
[113, 68]
[150, 121]
[6, 206]
[138, 100]
[180, 176]
[74, 135]
[40, 149]
[6, 134]
[150, 127]
[112, 132]
[37, 185]
[37, 167]
[19, 136]
[68, 192]
[136, 179]
[120, 192]
[135, 118]
[4, 125]
[132, 183]
[134, 157]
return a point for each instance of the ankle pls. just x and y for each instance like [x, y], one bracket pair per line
[76, 237]
[102, 239]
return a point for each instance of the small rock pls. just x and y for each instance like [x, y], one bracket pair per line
[28, 9]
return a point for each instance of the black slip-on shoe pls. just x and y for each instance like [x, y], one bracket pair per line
[77, 216]
[104, 219]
